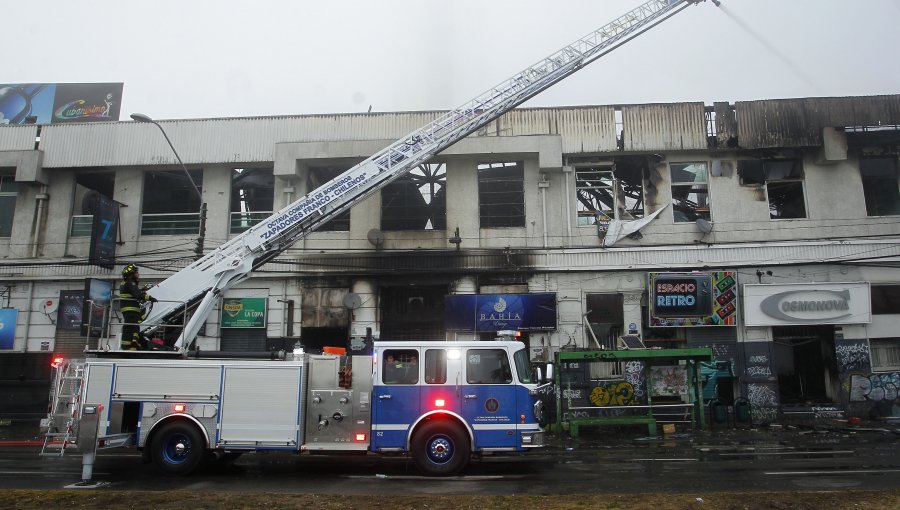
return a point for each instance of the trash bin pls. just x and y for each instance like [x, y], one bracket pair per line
[742, 411]
[718, 411]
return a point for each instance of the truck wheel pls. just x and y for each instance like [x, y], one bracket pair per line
[440, 449]
[178, 448]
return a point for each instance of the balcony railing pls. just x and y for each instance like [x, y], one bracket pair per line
[241, 221]
[170, 224]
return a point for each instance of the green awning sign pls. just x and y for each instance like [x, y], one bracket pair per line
[244, 313]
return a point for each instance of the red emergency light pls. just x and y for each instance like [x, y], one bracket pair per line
[360, 438]
[56, 362]
[439, 403]
[179, 408]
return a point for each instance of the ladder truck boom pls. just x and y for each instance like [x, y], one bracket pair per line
[198, 284]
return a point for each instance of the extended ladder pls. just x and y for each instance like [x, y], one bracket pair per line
[234, 260]
[65, 408]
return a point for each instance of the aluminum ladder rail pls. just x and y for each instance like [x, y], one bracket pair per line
[233, 261]
[65, 408]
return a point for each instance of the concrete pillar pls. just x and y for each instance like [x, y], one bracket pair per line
[366, 315]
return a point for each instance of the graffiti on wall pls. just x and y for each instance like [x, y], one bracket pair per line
[668, 381]
[874, 387]
[634, 375]
[852, 356]
[613, 394]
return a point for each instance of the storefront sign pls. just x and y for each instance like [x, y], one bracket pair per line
[498, 312]
[244, 313]
[104, 229]
[8, 328]
[807, 303]
[693, 299]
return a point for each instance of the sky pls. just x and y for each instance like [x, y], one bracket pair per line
[183, 59]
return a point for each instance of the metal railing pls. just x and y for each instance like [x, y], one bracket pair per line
[170, 224]
[241, 221]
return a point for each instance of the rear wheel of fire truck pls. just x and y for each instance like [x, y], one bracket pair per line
[440, 449]
[178, 448]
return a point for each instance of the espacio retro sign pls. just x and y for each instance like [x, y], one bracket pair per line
[807, 304]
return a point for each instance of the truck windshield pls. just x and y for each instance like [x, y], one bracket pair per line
[523, 368]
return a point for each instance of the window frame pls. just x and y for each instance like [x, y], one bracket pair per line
[485, 182]
[581, 210]
[873, 188]
[432, 211]
[440, 363]
[9, 191]
[240, 221]
[876, 347]
[673, 184]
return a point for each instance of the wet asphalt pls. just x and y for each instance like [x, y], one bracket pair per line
[602, 460]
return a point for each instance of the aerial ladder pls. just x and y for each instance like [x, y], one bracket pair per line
[196, 286]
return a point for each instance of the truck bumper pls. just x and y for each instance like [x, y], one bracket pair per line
[533, 439]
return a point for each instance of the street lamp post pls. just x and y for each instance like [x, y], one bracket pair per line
[140, 117]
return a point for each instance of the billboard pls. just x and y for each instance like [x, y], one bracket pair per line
[800, 304]
[59, 103]
[693, 299]
[244, 313]
[498, 312]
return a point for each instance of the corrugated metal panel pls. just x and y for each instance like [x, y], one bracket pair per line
[587, 129]
[799, 122]
[212, 140]
[17, 138]
[655, 127]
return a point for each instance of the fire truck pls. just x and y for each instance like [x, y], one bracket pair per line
[439, 402]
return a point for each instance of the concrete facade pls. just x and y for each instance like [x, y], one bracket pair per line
[836, 242]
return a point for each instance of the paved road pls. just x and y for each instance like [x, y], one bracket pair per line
[723, 461]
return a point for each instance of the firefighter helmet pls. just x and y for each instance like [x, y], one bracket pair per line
[129, 271]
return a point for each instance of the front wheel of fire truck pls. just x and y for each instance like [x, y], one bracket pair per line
[440, 449]
[177, 448]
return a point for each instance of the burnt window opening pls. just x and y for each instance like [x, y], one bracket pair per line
[88, 188]
[690, 191]
[501, 194]
[885, 299]
[416, 201]
[600, 190]
[252, 197]
[9, 188]
[783, 179]
[880, 185]
[319, 176]
[712, 137]
[170, 204]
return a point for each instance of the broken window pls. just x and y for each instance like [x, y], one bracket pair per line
[594, 190]
[416, 201]
[690, 191]
[783, 179]
[171, 204]
[88, 188]
[9, 188]
[880, 185]
[252, 197]
[501, 194]
[316, 178]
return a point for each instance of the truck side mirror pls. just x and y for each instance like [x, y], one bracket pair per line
[548, 371]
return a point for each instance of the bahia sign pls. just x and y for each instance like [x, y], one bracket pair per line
[810, 303]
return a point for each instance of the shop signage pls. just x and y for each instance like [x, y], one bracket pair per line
[692, 299]
[498, 312]
[807, 303]
[69, 314]
[58, 103]
[103, 232]
[7, 328]
[244, 313]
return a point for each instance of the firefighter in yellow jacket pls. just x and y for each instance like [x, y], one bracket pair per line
[131, 297]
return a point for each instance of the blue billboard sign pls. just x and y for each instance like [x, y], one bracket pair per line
[8, 328]
[58, 103]
[498, 312]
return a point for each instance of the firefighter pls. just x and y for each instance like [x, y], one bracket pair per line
[132, 297]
